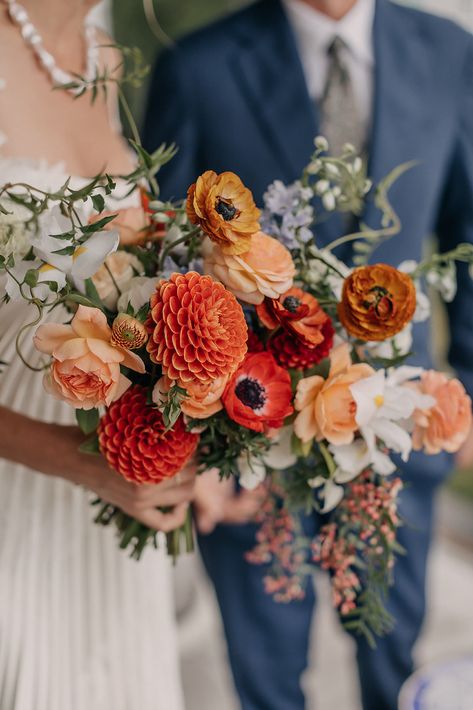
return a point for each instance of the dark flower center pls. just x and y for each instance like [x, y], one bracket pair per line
[251, 393]
[226, 209]
[292, 304]
[380, 300]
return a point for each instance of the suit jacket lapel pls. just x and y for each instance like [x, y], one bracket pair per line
[270, 74]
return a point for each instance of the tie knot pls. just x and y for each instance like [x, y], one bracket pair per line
[336, 47]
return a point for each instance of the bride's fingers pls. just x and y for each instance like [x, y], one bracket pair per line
[165, 522]
[243, 507]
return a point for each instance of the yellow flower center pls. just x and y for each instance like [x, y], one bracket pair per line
[80, 250]
[379, 400]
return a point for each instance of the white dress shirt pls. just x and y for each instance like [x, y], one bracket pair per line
[314, 33]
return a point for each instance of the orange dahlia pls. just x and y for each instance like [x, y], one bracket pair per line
[377, 302]
[298, 312]
[225, 210]
[291, 353]
[134, 440]
[259, 394]
[197, 329]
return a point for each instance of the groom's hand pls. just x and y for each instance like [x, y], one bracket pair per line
[217, 501]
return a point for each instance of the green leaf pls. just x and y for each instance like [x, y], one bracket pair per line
[98, 202]
[66, 251]
[91, 292]
[88, 420]
[98, 225]
[90, 445]
[81, 300]
[31, 277]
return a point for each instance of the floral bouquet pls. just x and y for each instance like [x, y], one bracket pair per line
[208, 330]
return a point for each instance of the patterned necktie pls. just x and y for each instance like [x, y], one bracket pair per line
[340, 122]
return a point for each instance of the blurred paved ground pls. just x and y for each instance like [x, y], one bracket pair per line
[330, 682]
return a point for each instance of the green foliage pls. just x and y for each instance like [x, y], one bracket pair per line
[222, 442]
[171, 408]
[88, 420]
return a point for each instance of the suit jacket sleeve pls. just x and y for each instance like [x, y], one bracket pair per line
[456, 225]
[170, 119]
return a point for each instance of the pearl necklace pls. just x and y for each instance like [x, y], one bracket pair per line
[33, 39]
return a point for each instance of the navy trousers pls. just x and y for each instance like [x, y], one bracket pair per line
[268, 641]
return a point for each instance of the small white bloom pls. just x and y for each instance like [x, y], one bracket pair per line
[329, 201]
[137, 293]
[321, 143]
[397, 346]
[321, 187]
[332, 493]
[444, 280]
[14, 234]
[252, 471]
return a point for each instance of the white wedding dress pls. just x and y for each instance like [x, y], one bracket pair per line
[82, 627]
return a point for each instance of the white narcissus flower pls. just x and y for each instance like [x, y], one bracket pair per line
[14, 234]
[45, 273]
[137, 293]
[332, 492]
[122, 266]
[253, 469]
[382, 401]
[86, 259]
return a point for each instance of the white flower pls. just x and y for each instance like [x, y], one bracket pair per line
[253, 470]
[14, 234]
[396, 346]
[137, 293]
[122, 266]
[321, 143]
[381, 402]
[328, 269]
[86, 259]
[332, 492]
[45, 274]
[444, 280]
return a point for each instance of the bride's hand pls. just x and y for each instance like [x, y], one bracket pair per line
[217, 501]
[139, 501]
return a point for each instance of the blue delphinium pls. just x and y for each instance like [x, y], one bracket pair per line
[288, 214]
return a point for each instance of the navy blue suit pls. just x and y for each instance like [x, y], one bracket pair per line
[233, 97]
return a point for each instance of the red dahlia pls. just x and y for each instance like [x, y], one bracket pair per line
[134, 440]
[291, 353]
[259, 394]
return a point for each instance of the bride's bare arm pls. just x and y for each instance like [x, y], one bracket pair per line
[53, 449]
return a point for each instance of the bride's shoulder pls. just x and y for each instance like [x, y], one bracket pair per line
[110, 56]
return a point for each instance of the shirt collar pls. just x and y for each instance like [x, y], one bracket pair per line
[315, 29]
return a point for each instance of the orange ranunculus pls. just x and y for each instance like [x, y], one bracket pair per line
[446, 425]
[203, 400]
[326, 407]
[298, 313]
[131, 223]
[197, 329]
[85, 370]
[259, 394]
[128, 332]
[266, 270]
[225, 210]
[377, 302]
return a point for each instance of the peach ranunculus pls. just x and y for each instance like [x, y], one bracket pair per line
[122, 266]
[203, 400]
[85, 369]
[326, 408]
[132, 224]
[225, 210]
[378, 301]
[447, 424]
[266, 270]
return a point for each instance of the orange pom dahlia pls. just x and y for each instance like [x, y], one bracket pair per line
[225, 210]
[377, 302]
[134, 440]
[298, 312]
[197, 329]
[259, 394]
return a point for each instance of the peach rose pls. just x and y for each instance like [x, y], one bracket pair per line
[132, 224]
[446, 425]
[203, 400]
[267, 269]
[85, 371]
[326, 407]
[123, 267]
